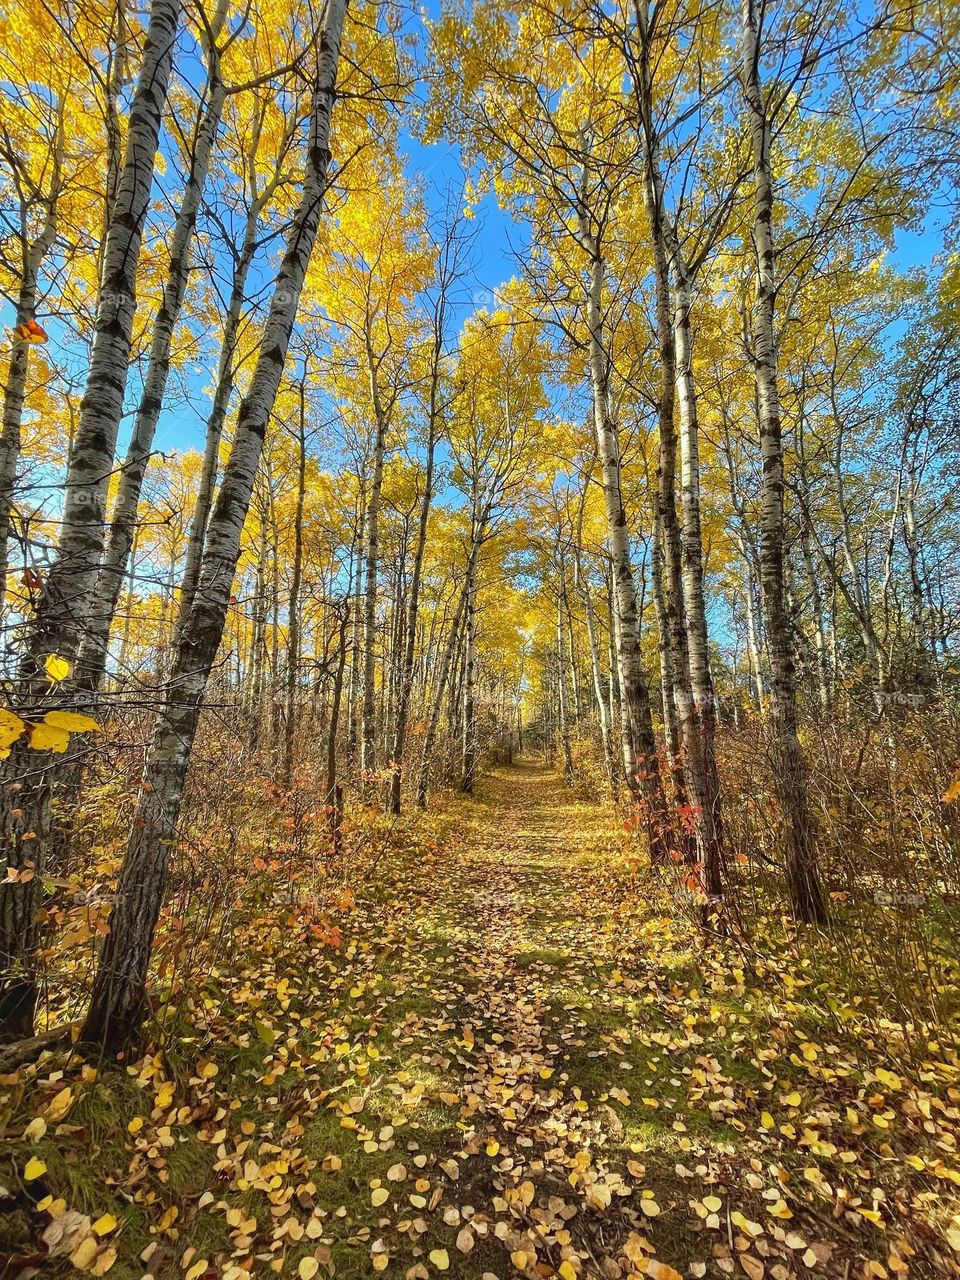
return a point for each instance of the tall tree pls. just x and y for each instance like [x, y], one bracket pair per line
[803, 880]
[117, 1002]
[63, 609]
[450, 248]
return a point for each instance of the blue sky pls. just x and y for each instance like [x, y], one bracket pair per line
[498, 239]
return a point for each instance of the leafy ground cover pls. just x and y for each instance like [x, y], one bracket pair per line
[513, 1059]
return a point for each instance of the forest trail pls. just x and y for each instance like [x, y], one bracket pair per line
[514, 961]
[516, 1017]
[510, 1065]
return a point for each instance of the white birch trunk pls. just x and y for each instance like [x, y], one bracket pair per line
[563, 710]
[409, 654]
[368, 725]
[686, 633]
[93, 658]
[218, 415]
[698, 650]
[63, 608]
[640, 762]
[118, 1001]
[63, 611]
[803, 882]
[14, 391]
[469, 673]
[603, 708]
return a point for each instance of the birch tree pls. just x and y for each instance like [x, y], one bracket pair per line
[803, 881]
[680, 542]
[118, 999]
[450, 249]
[50, 159]
[63, 609]
[123, 520]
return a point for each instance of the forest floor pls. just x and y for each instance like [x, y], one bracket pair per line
[511, 1065]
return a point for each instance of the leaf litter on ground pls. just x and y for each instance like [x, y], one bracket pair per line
[513, 1059]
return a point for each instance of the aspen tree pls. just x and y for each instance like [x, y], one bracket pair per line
[63, 609]
[118, 999]
[800, 854]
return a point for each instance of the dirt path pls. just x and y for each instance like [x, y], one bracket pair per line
[523, 914]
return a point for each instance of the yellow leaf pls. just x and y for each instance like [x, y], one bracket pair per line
[44, 737]
[11, 728]
[103, 1226]
[440, 1259]
[57, 668]
[712, 1204]
[767, 1120]
[85, 1252]
[58, 1107]
[599, 1196]
[636, 1247]
[380, 1196]
[34, 1168]
[566, 1271]
[72, 721]
[308, 1268]
[35, 1129]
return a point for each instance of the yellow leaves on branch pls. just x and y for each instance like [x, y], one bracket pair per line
[11, 728]
[57, 668]
[52, 733]
[46, 737]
